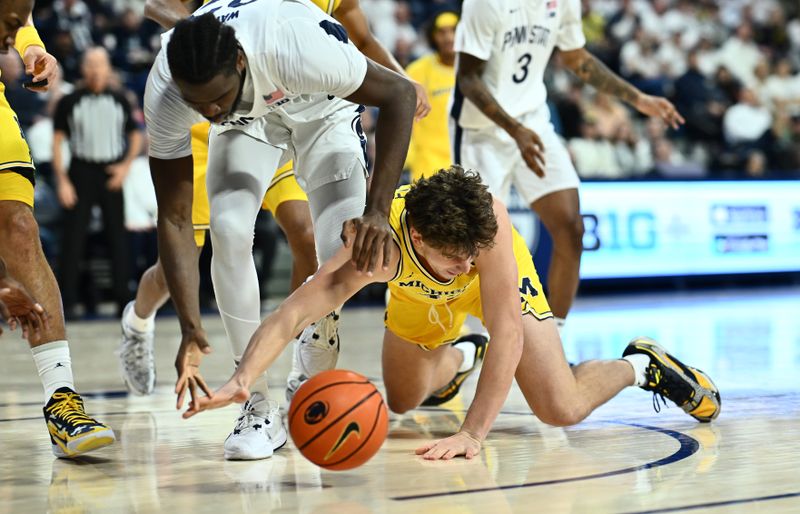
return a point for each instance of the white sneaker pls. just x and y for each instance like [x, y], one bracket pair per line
[316, 350]
[258, 432]
[136, 362]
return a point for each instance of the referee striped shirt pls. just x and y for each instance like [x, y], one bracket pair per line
[97, 124]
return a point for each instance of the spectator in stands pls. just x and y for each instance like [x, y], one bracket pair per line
[594, 156]
[103, 139]
[700, 102]
[633, 153]
[746, 127]
[782, 90]
[639, 63]
[429, 150]
[609, 114]
[740, 54]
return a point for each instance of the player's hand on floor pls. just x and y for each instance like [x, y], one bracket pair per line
[445, 449]
[19, 308]
[194, 346]
[371, 239]
[658, 107]
[531, 148]
[423, 104]
[231, 392]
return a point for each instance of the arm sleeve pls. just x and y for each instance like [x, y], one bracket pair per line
[27, 36]
[317, 58]
[570, 31]
[168, 119]
[476, 31]
[60, 118]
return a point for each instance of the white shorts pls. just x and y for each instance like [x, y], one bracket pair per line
[324, 150]
[493, 153]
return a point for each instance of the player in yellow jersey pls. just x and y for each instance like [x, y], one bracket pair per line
[456, 253]
[430, 139]
[71, 431]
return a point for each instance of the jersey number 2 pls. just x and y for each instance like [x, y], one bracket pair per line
[523, 61]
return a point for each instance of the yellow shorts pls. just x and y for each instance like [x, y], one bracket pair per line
[412, 319]
[283, 188]
[15, 157]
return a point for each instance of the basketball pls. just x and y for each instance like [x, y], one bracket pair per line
[338, 419]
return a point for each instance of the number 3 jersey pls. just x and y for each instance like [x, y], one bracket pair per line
[516, 38]
[300, 64]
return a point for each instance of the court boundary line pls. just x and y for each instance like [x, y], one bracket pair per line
[719, 503]
[688, 447]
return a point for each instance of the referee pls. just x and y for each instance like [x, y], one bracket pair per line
[103, 140]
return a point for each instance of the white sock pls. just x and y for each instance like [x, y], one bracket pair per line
[560, 322]
[468, 349]
[639, 362]
[140, 324]
[54, 365]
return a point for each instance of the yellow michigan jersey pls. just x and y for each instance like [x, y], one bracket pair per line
[429, 150]
[428, 312]
[16, 164]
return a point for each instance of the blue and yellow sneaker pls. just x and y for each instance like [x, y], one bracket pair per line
[72, 432]
[667, 377]
[449, 391]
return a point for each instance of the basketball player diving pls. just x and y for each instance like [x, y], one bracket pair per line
[456, 253]
[278, 81]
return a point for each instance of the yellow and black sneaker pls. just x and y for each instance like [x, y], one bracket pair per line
[689, 388]
[449, 391]
[72, 432]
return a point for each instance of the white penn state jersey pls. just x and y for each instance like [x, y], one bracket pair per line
[516, 39]
[300, 64]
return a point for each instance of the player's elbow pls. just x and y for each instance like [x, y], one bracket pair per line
[403, 93]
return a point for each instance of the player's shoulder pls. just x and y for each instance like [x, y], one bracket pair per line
[421, 64]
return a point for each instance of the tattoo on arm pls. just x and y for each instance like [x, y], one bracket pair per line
[592, 71]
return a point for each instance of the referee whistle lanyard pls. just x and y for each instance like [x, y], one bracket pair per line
[435, 319]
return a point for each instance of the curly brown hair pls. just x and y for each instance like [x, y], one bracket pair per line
[452, 211]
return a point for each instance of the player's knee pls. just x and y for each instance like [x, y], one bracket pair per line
[570, 236]
[400, 404]
[562, 414]
[301, 241]
[231, 237]
[20, 230]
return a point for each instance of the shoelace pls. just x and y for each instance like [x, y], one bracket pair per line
[249, 418]
[666, 387]
[69, 406]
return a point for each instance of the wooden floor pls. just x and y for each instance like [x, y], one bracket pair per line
[625, 458]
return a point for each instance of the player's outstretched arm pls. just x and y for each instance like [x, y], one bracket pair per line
[395, 98]
[497, 269]
[469, 73]
[165, 12]
[591, 70]
[355, 21]
[334, 283]
[174, 186]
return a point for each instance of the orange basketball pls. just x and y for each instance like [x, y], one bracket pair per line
[338, 419]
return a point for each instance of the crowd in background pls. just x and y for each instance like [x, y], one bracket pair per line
[730, 67]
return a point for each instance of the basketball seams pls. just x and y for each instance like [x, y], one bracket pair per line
[379, 410]
[294, 410]
[339, 418]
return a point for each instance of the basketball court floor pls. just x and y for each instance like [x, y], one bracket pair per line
[625, 458]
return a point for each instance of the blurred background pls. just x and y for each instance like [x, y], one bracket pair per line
[714, 203]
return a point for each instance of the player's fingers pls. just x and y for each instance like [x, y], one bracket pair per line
[346, 236]
[376, 247]
[181, 391]
[193, 391]
[358, 245]
[203, 386]
[365, 253]
[425, 448]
